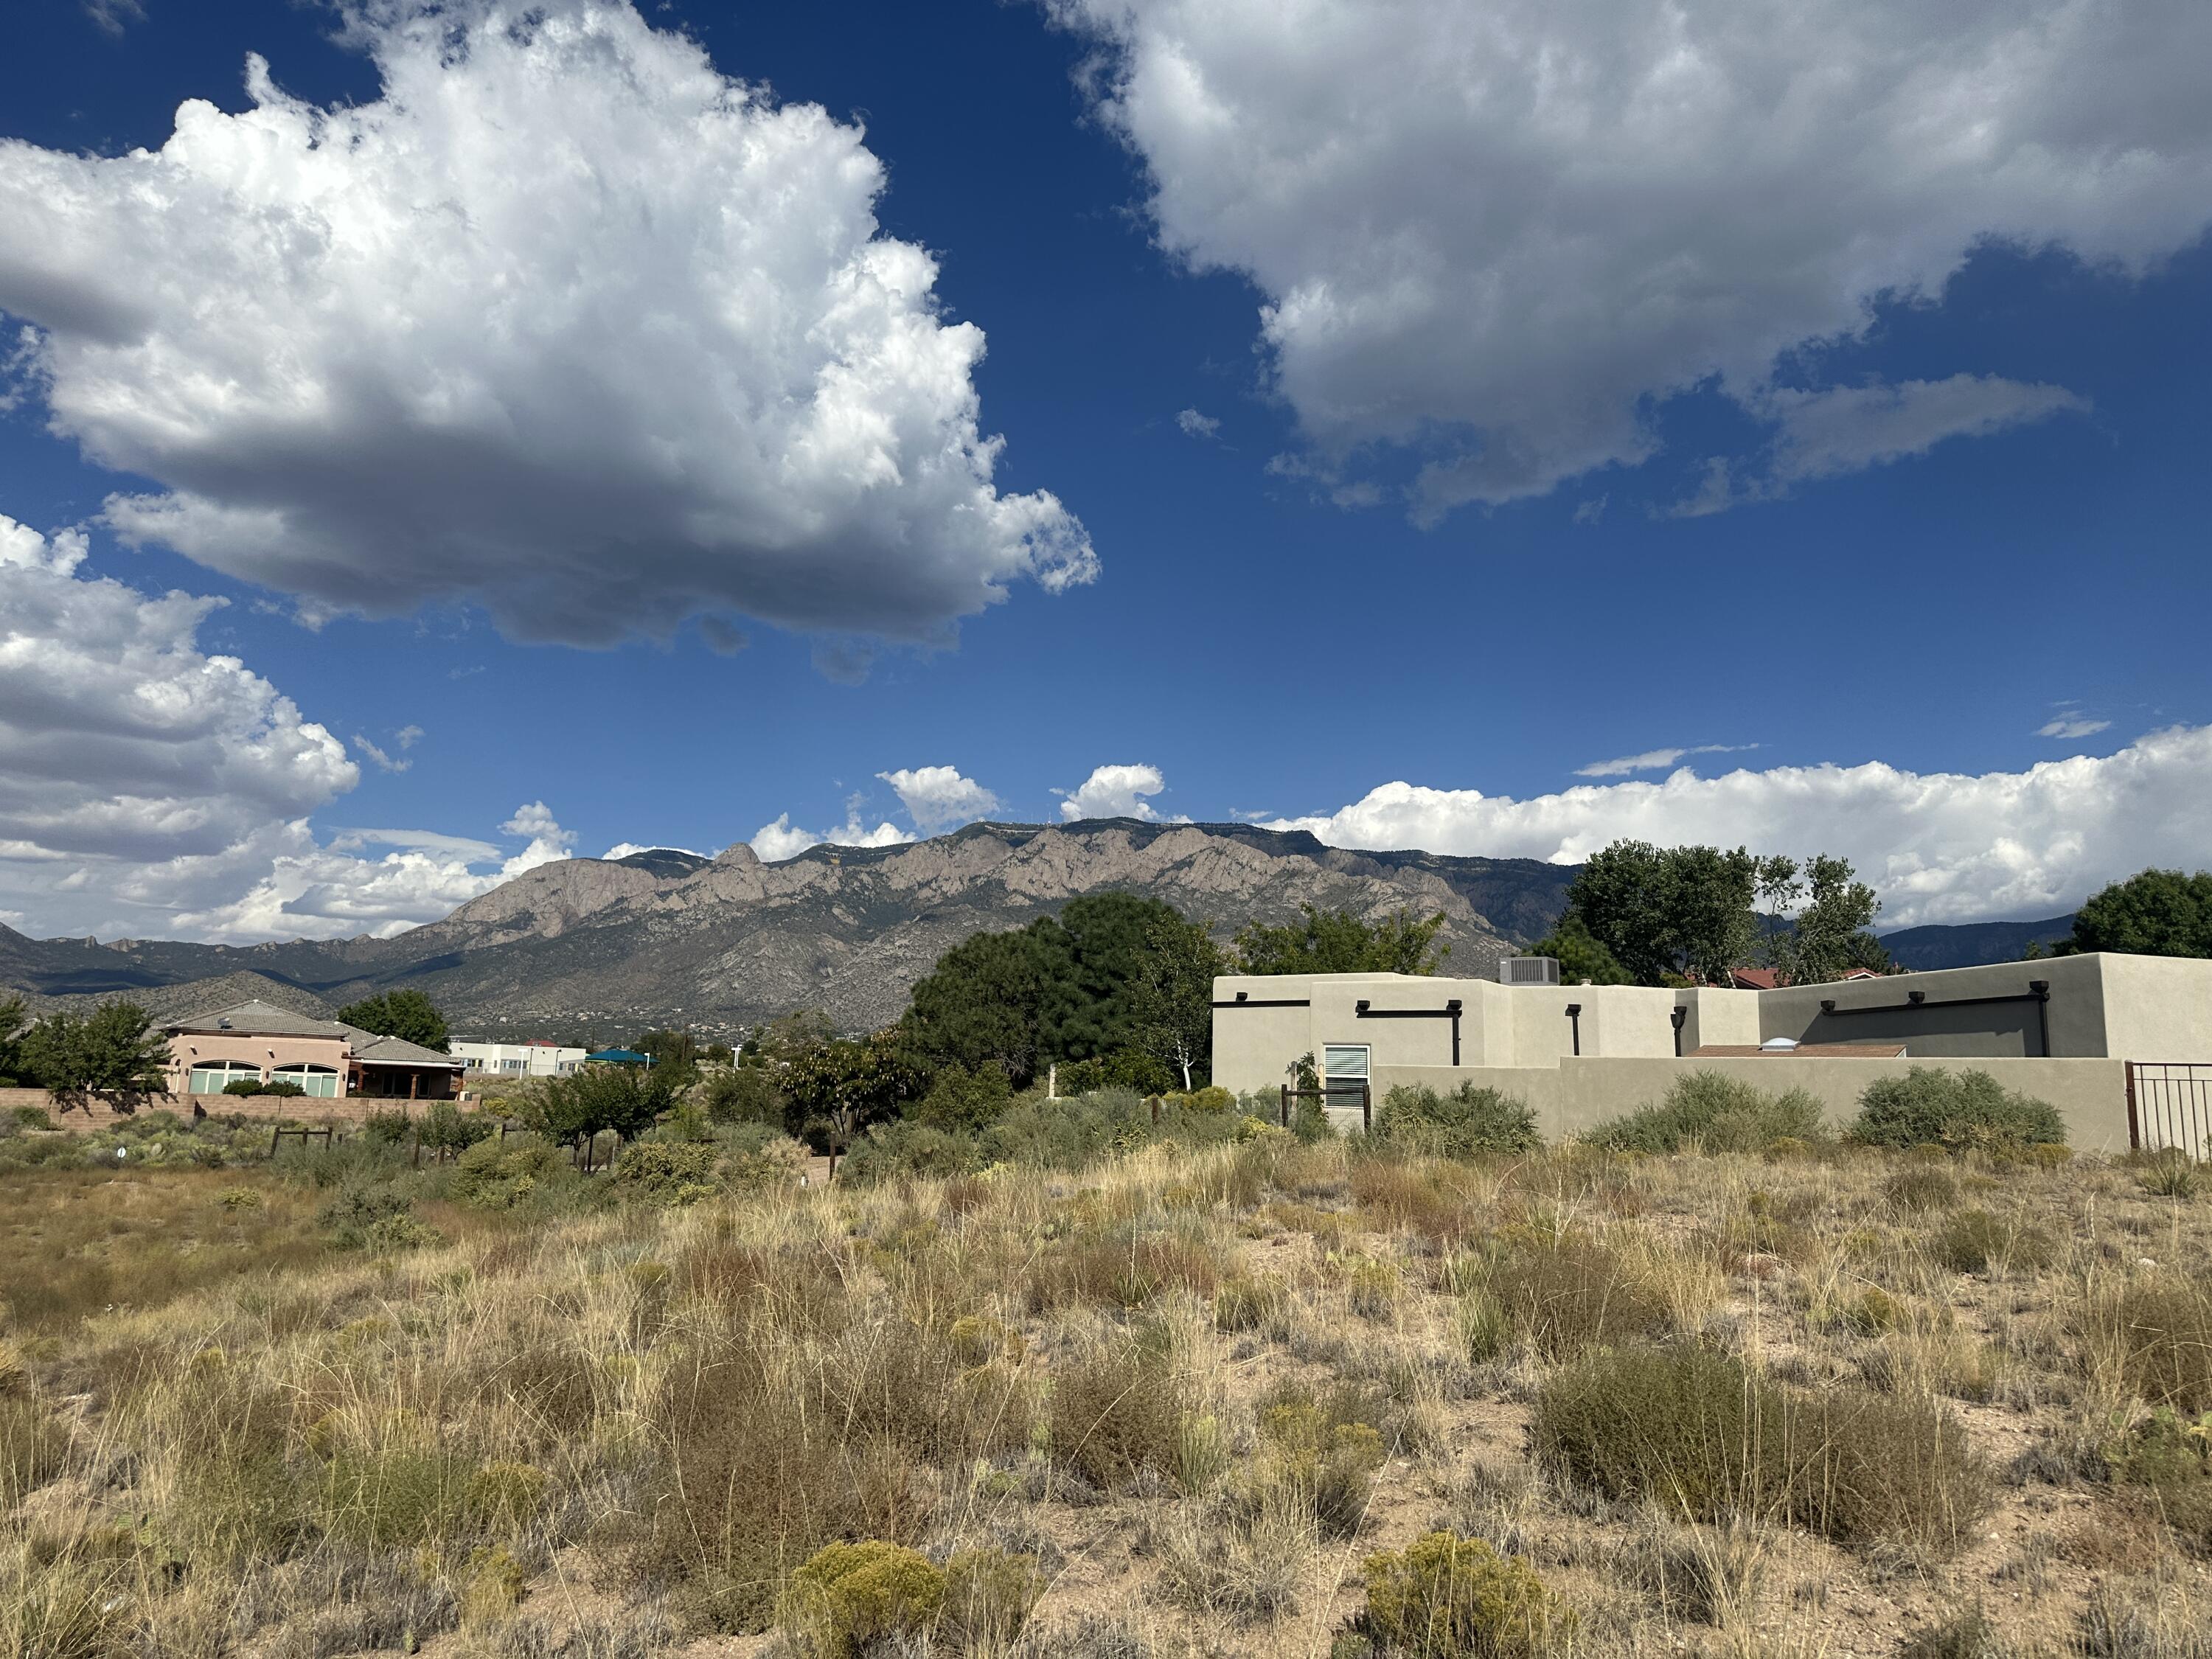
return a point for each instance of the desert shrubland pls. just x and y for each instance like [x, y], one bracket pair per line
[1084, 1383]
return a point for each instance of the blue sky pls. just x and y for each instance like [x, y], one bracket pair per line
[1954, 450]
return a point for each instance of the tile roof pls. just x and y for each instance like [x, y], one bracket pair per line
[258, 1018]
[373, 1050]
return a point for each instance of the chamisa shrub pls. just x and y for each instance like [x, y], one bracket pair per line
[1716, 1113]
[1711, 1439]
[1467, 1123]
[1450, 1597]
[1926, 1107]
[847, 1598]
[668, 1172]
[502, 1174]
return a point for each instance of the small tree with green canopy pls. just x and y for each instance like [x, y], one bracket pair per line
[408, 1015]
[1582, 960]
[11, 1024]
[625, 1099]
[2155, 913]
[111, 1050]
[1172, 1002]
[1337, 942]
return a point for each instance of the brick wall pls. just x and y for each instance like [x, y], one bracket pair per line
[90, 1117]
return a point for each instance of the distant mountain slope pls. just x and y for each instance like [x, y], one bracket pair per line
[1968, 944]
[728, 942]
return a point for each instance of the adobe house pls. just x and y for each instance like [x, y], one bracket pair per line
[259, 1043]
[2103, 1037]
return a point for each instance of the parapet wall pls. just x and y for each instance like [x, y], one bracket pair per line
[1579, 1094]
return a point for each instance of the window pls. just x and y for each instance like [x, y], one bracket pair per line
[212, 1077]
[1344, 1078]
[321, 1080]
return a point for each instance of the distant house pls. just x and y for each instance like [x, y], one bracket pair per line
[533, 1059]
[257, 1042]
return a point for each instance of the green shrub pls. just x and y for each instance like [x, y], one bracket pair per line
[846, 1597]
[1921, 1188]
[1717, 1113]
[1469, 1123]
[1324, 1456]
[1958, 1109]
[757, 1158]
[1569, 1294]
[389, 1125]
[1247, 1305]
[1447, 1598]
[385, 1497]
[283, 1088]
[444, 1125]
[1709, 1439]
[909, 1150]
[964, 1101]
[667, 1172]
[372, 1215]
[504, 1496]
[31, 1117]
[500, 1174]
[2171, 1175]
[1972, 1240]
[987, 1597]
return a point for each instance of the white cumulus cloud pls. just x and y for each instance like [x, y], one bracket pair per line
[1501, 231]
[1937, 846]
[565, 323]
[1114, 792]
[1195, 425]
[938, 796]
[1656, 760]
[2069, 727]
[121, 742]
[774, 843]
[623, 849]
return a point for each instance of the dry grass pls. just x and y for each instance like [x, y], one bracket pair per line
[1810, 1400]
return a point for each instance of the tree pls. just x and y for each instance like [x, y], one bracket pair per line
[841, 1086]
[1171, 1001]
[625, 1099]
[1828, 937]
[1337, 942]
[11, 1023]
[408, 1015]
[2155, 913]
[1582, 960]
[1065, 987]
[111, 1050]
[677, 1051]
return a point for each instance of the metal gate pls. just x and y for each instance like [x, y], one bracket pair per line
[1337, 1102]
[2169, 1107]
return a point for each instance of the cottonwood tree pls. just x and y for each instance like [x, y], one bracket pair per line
[1172, 1002]
[2155, 913]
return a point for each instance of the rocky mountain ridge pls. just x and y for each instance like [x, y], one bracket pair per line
[721, 944]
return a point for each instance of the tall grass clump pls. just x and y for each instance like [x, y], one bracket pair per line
[1469, 1122]
[1716, 1113]
[1962, 1110]
[1709, 1439]
[2157, 1335]
[1568, 1294]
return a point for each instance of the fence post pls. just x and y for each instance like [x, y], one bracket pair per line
[1284, 1109]
[1154, 1104]
[1366, 1108]
[2135, 1130]
[275, 1134]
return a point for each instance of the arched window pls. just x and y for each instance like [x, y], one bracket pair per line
[212, 1077]
[312, 1080]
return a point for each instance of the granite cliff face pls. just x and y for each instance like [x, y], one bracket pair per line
[724, 943]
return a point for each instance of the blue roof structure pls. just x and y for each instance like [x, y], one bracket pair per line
[622, 1057]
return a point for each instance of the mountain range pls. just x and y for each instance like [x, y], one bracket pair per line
[596, 946]
[721, 944]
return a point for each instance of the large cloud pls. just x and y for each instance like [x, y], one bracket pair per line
[121, 742]
[1937, 846]
[566, 324]
[937, 797]
[1501, 228]
[1114, 792]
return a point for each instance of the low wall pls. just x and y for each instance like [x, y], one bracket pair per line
[1582, 1092]
[90, 1116]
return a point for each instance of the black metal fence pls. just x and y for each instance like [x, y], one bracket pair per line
[2169, 1107]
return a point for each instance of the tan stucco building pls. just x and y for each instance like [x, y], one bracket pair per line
[260, 1043]
[2064, 1028]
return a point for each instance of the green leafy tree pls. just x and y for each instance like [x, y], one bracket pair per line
[1582, 960]
[408, 1015]
[962, 1099]
[1337, 942]
[1082, 985]
[839, 1087]
[1829, 936]
[11, 1026]
[1172, 1000]
[677, 1051]
[2156, 913]
[625, 1099]
[111, 1050]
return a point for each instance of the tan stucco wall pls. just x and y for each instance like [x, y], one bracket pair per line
[2157, 1008]
[2077, 1009]
[191, 1048]
[1579, 1095]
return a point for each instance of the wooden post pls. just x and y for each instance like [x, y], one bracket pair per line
[274, 1135]
[1366, 1108]
[1284, 1111]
